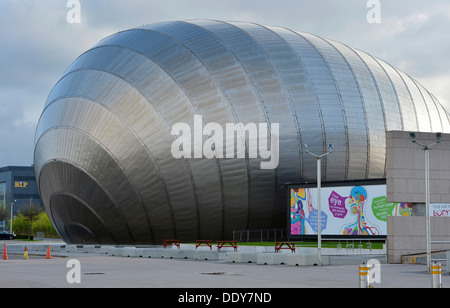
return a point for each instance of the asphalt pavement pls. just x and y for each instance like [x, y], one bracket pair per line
[94, 270]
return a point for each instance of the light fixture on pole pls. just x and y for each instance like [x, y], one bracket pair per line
[319, 208]
[426, 148]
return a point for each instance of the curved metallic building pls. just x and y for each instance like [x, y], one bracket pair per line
[103, 157]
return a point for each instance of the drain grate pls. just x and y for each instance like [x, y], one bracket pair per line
[94, 273]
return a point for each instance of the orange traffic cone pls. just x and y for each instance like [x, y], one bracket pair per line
[5, 253]
[25, 254]
[48, 252]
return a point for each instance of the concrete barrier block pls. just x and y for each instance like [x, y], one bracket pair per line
[241, 257]
[116, 251]
[188, 253]
[55, 248]
[16, 248]
[306, 260]
[202, 247]
[152, 252]
[271, 258]
[302, 259]
[172, 254]
[37, 247]
[70, 248]
[106, 249]
[88, 248]
[210, 255]
[31, 247]
[132, 252]
[128, 251]
[178, 253]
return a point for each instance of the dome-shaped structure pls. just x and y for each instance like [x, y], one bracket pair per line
[104, 144]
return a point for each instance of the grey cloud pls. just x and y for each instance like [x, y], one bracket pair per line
[38, 44]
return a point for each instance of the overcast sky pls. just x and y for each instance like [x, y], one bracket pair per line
[37, 44]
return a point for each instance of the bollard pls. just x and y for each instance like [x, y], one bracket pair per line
[363, 276]
[436, 281]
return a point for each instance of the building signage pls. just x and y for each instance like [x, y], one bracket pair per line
[21, 184]
[440, 210]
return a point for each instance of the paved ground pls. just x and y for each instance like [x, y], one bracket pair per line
[104, 271]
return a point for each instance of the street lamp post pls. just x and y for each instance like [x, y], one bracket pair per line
[319, 207]
[426, 149]
[12, 205]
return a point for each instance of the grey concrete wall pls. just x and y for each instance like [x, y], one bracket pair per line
[405, 162]
[406, 235]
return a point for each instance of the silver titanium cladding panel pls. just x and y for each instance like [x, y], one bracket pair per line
[103, 159]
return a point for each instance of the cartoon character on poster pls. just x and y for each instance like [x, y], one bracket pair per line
[299, 198]
[360, 226]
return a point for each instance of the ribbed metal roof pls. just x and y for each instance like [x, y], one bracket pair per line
[103, 144]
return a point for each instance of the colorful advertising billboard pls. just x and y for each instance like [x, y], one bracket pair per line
[352, 209]
[439, 210]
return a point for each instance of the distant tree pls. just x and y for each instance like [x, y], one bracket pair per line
[31, 212]
[44, 225]
[4, 213]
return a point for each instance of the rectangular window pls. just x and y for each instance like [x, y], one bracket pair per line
[27, 196]
[24, 178]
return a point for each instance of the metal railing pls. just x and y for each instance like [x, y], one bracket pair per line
[259, 235]
[439, 242]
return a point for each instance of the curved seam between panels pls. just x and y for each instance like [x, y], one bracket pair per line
[189, 98]
[446, 113]
[211, 75]
[86, 172]
[363, 103]
[437, 109]
[289, 99]
[261, 101]
[409, 92]
[288, 93]
[161, 177]
[51, 212]
[222, 91]
[107, 150]
[338, 92]
[290, 103]
[67, 72]
[101, 186]
[219, 168]
[426, 104]
[78, 199]
[280, 76]
[380, 100]
[74, 223]
[436, 105]
[86, 205]
[98, 45]
[394, 89]
[313, 89]
[152, 59]
[255, 91]
[375, 82]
